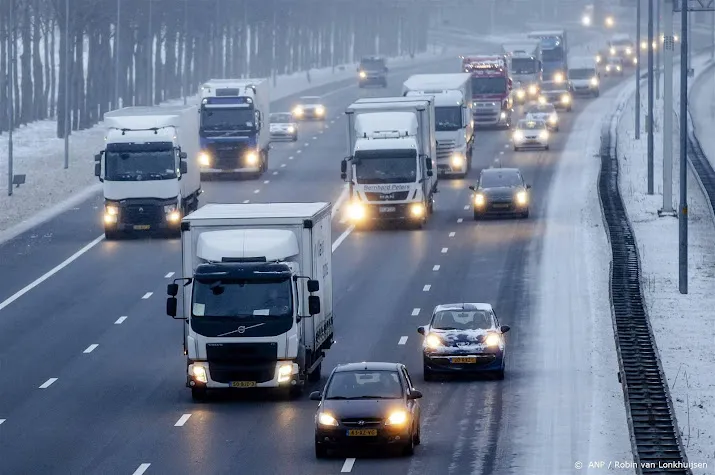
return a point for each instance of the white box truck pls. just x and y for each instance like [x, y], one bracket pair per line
[524, 59]
[390, 162]
[453, 118]
[149, 169]
[234, 126]
[257, 295]
[584, 76]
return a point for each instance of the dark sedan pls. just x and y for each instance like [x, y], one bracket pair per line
[367, 405]
[501, 191]
[558, 94]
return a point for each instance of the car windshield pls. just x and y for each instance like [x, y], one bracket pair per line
[241, 300]
[500, 179]
[551, 87]
[281, 118]
[310, 100]
[448, 118]
[623, 42]
[523, 66]
[541, 109]
[585, 73]
[531, 125]
[372, 64]
[482, 85]
[462, 320]
[386, 166]
[215, 118]
[139, 162]
[364, 385]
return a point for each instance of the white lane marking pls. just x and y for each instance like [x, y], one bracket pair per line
[403, 340]
[265, 182]
[348, 466]
[339, 202]
[501, 153]
[322, 130]
[120, 320]
[256, 191]
[316, 137]
[169, 275]
[91, 348]
[415, 312]
[506, 145]
[426, 288]
[182, 420]
[452, 234]
[147, 295]
[460, 220]
[299, 151]
[2, 420]
[142, 468]
[332, 121]
[48, 383]
[466, 207]
[275, 173]
[342, 237]
[50, 273]
[283, 165]
[306, 144]
[436, 268]
[444, 250]
[246, 201]
[289, 158]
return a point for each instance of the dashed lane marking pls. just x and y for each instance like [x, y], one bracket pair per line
[415, 312]
[182, 420]
[169, 275]
[452, 234]
[436, 268]
[444, 250]
[460, 220]
[289, 158]
[48, 383]
[426, 288]
[275, 173]
[147, 295]
[120, 320]
[256, 191]
[283, 165]
[245, 202]
[2, 420]
[315, 138]
[306, 144]
[297, 151]
[403, 340]
[142, 468]
[265, 182]
[466, 207]
[91, 348]
[501, 153]
[348, 465]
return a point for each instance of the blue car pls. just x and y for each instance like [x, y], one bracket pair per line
[463, 338]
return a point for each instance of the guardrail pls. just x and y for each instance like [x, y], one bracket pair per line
[655, 437]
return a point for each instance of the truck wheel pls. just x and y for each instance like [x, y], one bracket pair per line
[198, 394]
[314, 377]
[295, 392]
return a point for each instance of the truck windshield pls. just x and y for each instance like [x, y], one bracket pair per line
[448, 118]
[555, 54]
[581, 73]
[245, 301]
[386, 166]
[482, 85]
[238, 119]
[523, 66]
[140, 162]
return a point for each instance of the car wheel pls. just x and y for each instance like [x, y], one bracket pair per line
[556, 129]
[418, 434]
[516, 149]
[525, 214]
[198, 394]
[111, 235]
[428, 375]
[320, 452]
[409, 448]
[499, 374]
[295, 392]
[295, 138]
[597, 94]
[477, 216]
[546, 148]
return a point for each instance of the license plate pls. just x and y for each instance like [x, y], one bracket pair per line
[464, 359]
[387, 209]
[362, 432]
[243, 384]
[141, 227]
[500, 205]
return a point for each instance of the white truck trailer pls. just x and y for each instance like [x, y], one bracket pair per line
[391, 157]
[453, 118]
[525, 68]
[257, 295]
[149, 169]
[235, 126]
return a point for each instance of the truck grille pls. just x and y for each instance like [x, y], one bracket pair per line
[142, 214]
[395, 196]
[445, 149]
[228, 156]
[242, 361]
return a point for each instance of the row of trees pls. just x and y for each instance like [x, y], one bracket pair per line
[166, 48]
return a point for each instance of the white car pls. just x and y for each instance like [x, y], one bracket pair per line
[545, 112]
[614, 65]
[531, 134]
[283, 126]
[309, 107]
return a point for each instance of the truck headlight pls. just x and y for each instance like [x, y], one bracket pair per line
[172, 213]
[630, 51]
[522, 198]
[610, 21]
[433, 341]
[298, 111]
[586, 21]
[520, 94]
[492, 340]
[397, 418]
[479, 200]
[111, 214]
[457, 160]
[533, 90]
[598, 58]
[559, 77]
[503, 115]
[542, 100]
[284, 372]
[417, 210]
[199, 374]
[252, 158]
[565, 99]
[594, 81]
[518, 136]
[356, 211]
[320, 110]
[612, 51]
[325, 419]
[204, 159]
[363, 74]
[291, 129]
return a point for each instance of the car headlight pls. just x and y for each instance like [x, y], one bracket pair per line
[618, 68]
[612, 50]
[608, 68]
[544, 135]
[356, 211]
[298, 111]
[433, 341]
[518, 136]
[327, 420]
[533, 90]
[417, 210]
[542, 99]
[630, 51]
[252, 158]
[457, 160]
[479, 200]
[492, 340]
[199, 374]
[291, 129]
[363, 74]
[320, 110]
[635, 60]
[594, 81]
[204, 159]
[565, 99]
[284, 372]
[522, 198]
[598, 58]
[520, 94]
[553, 119]
[609, 21]
[397, 418]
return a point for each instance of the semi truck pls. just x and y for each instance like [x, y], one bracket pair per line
[256, 294]
[391, 158]
[454, 125]
[525, 68]
[149, 169]
[554, 54]
[491, 89]
[234, 126]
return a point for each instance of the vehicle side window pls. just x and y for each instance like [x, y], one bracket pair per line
[407, 378]
[496, 319]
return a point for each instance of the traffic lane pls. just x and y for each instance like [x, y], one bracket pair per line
[42, 335]
[63, 235]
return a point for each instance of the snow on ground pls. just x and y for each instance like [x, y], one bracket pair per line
[684, 325]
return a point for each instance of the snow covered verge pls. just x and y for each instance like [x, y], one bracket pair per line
[580, 414]
[684, 325]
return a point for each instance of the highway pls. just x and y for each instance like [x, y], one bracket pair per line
[72, 407]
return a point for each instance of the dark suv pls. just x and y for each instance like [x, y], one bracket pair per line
[372, 71]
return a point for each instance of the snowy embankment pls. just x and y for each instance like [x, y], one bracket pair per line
[684, 325]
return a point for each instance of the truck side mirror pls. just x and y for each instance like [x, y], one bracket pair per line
[428, 163]
[430, 173]
[98, 158]
[313, 305]
[344, 169]
[97, 170]
[183, 156]
[183, 167]
[171, 304]
[313, 286]
[172, 290]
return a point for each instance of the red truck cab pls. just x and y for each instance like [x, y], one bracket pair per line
[491, 89]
